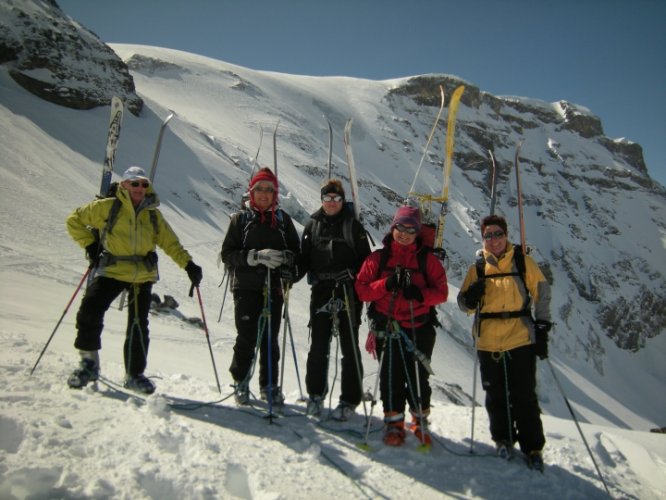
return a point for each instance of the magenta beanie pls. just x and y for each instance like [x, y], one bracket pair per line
[407, 215]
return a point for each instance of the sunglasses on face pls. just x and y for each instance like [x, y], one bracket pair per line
[496, 235]
[406, 229]
[136, 184]
[332, 197]
[263, 190]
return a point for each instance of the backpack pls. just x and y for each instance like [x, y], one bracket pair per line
[519, 260]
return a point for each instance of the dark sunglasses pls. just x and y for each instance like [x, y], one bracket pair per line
[136, 184]
[332, 197]
[406, 229]
[263, 190]
[496, 234]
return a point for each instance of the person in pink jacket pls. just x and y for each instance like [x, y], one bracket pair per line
[403, 281]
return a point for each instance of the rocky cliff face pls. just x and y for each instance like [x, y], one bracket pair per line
[55, 58]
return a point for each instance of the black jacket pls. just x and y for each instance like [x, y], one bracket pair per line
[328, 253]
[247, 232]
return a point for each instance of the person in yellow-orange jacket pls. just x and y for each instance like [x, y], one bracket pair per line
[120, 235]
[512, 321]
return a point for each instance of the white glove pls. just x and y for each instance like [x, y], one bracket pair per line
[267, 257]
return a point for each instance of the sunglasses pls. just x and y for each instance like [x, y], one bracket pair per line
[136, 184]
[332, 197]
[263, 190]
[496, 234]
[406, 229]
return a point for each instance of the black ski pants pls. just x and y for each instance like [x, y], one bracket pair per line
[328, 304]
[509, 380]
[397, 380]
[252, 315]
[90, 320]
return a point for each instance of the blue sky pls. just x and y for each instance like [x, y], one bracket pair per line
[607, 55]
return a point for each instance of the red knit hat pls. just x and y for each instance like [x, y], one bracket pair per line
[265, 174]
[407, 215]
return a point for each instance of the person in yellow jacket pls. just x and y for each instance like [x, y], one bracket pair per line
[509, 338]
[122, 257]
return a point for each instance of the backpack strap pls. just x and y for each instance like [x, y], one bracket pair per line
[347, 223]
[521, 270]
[422, 260]
[248, 217]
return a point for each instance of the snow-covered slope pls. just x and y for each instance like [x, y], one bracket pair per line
[595, 220]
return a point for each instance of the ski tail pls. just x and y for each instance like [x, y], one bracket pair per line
[353, 181]
[275, 163]
[448, 162]
[411, 193]
[111, 145]
[330, 148]
[352, 169]
[493, 182]
[158, 147]
[519, 189]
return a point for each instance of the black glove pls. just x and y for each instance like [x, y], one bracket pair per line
[392, 282]
[194, 273]
[474, 293]
[413, 292]
[541, 329]
[93, 253]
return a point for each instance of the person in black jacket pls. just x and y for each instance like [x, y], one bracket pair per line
[333, 247]
[261, 247]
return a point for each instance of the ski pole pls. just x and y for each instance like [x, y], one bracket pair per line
[365, 446]
[419, 403]
[210, 349]
[225, 280]
[476, 362]
[287, 329]
[480, 260]
[580, 431]
[353, 339]
[269, 347]
[83, 278]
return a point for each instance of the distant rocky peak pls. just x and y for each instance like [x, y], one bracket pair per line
[54, 57]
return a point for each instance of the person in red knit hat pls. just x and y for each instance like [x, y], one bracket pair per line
[403, 281]
[261, 247]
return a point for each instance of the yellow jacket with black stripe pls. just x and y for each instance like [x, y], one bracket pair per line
[506, 294]
[133, 234]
